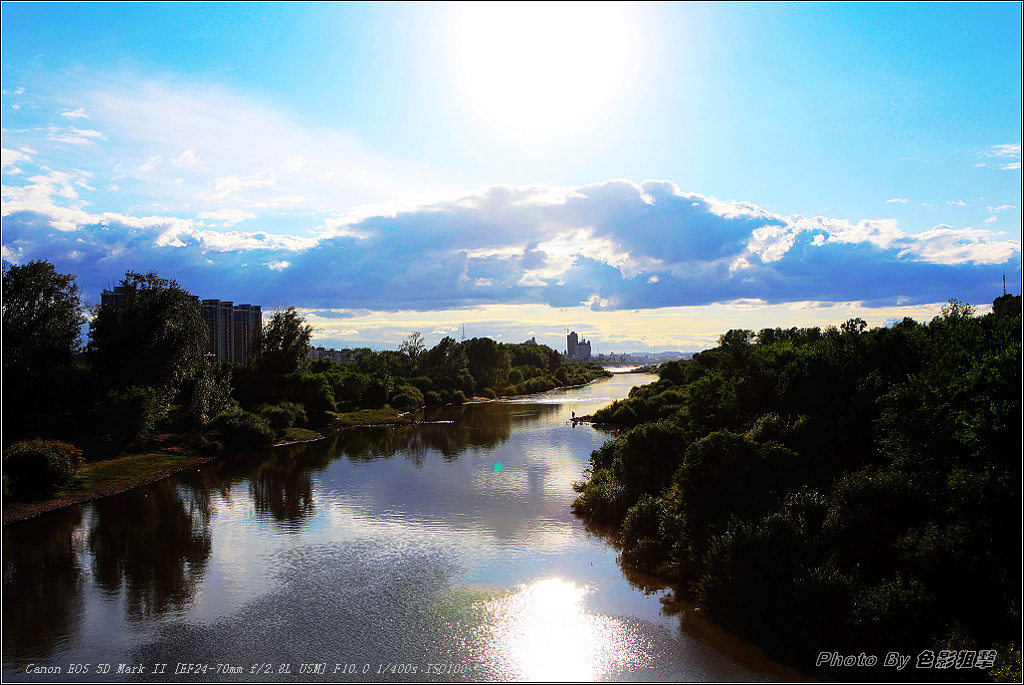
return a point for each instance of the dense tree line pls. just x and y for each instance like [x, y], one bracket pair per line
[143, 371]
[844, 490]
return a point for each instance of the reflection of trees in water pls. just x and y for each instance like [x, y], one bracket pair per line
[692, 621]
[482, 425]
[281, 487]
[42, 584]
[154, 543]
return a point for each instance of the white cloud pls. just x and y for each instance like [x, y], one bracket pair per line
[946, 245]
[78, 113]
[900, 200]
[186, 159]
[1001, 208]
[607, 245]
[227, 216]
[1005, 150]
[150, 163]
[1008, 153]
[75, 136]
[958, 203]
[10, 158]
[229, 185]
[182, 233]
[235, 137]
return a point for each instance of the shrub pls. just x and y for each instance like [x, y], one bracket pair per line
[602, 498]
[432, 398]
[276, 416]
[131, 414]
[490, 394]
[297, 413]
[35, 466]
[643, 543]
[242, 430]
[407, 398]
[458, 397]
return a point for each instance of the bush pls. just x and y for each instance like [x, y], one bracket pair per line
[458, 397]
[432, 398]
[277, 417]
[39, 466]
[283, 415]
[602, 498]
[131, 414]
[243, 430]
[643, 542]
[407, 398]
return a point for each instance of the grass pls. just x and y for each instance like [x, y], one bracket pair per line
[370, 417]
[129, 467]
[294, 434]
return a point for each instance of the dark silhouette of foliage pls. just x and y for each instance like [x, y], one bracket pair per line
[39, 466]
[850, 485]
[282, 345]
[155, 338]
[42, 319]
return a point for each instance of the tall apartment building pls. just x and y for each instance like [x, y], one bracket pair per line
[231, 329]
[247, 318]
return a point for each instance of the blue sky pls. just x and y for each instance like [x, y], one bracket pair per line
[649, 175]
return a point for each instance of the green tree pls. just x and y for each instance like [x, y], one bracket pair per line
[413, 347]
[155, 336]
[282, 345]
[42, 319]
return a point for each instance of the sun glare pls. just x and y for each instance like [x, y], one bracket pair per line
[542, 69]
[542, 632]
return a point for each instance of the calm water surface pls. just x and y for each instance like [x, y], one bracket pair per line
[376, 552]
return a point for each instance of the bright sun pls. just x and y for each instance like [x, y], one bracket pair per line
[543, 69]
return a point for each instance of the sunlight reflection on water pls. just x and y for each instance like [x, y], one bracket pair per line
[543, 632]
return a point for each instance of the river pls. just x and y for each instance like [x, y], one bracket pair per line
[444, 551]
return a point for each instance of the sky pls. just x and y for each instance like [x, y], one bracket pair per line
[648, 175]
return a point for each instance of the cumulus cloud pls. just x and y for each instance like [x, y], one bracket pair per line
[608, 246]
[947, 245]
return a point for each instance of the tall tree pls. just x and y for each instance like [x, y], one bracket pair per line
[153, 336]
[413, 346]
[42, 319]
[282, 346]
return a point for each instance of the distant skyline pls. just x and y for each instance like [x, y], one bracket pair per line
[648, 175]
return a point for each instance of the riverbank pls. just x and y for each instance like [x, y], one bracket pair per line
[111, 476]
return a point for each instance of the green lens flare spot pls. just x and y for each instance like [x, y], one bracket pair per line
[498, 466]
